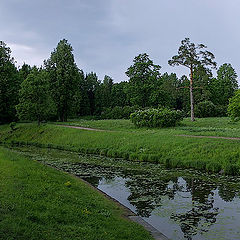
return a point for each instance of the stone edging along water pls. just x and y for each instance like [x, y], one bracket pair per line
[129, 214]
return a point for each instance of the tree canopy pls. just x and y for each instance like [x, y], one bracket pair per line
[63, 72]
[144, 76]
[35, 102]
[60, 90]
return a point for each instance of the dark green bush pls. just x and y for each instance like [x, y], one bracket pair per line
[221, 111]
[12, 126]
[156, 117]
[118, 112]
[205, 109]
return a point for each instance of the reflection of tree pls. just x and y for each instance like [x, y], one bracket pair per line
[147, 192]
[227, 192]
[203, 213]
[93, 180]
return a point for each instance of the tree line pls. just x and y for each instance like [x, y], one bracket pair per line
[59, 89]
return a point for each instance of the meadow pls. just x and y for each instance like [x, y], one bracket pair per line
[121, 139]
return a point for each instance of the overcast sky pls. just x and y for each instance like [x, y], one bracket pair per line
[107, 34]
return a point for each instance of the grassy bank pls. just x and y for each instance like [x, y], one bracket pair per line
[123, 140]
[38, 202]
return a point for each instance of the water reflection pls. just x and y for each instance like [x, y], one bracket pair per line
[181, 204]
[202, 213]
[146, 194]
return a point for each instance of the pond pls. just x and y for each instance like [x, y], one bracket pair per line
[182, 204]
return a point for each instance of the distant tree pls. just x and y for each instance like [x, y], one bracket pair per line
[24, 71]
[144, 76]
[9, 84]
[103, 95]
[192, 56]
[203, 79]
[119, 94]
[107, 91]
[224, 86]
[183, 100]
[63, 73]
[169, 86]
[92, 85]
[35, 102]
[78, 105]
[234, 107]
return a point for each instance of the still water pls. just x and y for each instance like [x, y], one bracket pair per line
[181, 204]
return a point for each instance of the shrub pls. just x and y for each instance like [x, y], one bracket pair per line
[156, 117]
[118, 112]
[205, 109]
[221, 111]
[12, 126]
[234, 107]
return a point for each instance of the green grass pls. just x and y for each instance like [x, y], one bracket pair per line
[39, 202]
[155, 145]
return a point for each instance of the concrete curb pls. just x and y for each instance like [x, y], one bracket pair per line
[154, 232]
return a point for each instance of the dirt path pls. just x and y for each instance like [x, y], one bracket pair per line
[84, 128]
[216, 137]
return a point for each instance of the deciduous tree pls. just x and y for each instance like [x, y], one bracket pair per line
[9, 84]
[63, 73]
[144, 76]
[224, 86]
[35, 102]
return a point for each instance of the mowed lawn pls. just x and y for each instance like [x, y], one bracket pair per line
[39, 202]
[122, 139]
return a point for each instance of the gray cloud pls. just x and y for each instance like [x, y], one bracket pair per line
[107, 34]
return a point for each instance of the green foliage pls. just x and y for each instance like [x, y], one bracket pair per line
[234, 107]
[12, 126]
[156, 118]
[192, 56]
[103, 95]
[205, 109]
[221, 110]
[35, 102]
[120, 95]
[9, 85]
[63, 74]
[144, 77]
[224, 86]
[118, 112]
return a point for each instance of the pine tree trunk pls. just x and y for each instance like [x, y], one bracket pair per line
[191, 95]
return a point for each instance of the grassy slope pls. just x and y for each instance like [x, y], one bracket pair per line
[35, 204]
[144, 144]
